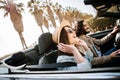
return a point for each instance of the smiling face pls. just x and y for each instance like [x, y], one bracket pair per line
[82, 28]
[86, 27]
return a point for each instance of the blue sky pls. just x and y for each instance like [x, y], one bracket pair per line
[9, 39]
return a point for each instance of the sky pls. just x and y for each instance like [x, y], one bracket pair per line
[9, 38]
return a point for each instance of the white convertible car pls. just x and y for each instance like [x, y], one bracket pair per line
[46, 50]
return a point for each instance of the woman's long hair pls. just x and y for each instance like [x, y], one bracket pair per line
[64, 39]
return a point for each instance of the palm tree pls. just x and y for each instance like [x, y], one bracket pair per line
[14, 10]
[42, 12]
[37, 12]
[46, 23]
[58, 10]
[50, 12]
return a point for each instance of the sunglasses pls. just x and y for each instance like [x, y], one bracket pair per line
[70, 30]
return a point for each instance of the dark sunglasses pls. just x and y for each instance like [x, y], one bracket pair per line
[70, 30]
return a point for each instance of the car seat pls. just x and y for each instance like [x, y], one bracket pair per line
[49, 52]
[47, 48]
[15, 61]
[33, 55]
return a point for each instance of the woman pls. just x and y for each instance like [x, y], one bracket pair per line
[71, 48]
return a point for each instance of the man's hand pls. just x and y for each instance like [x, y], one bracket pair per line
[115, 53]
[115, 30]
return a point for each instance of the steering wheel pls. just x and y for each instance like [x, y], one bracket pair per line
[118, 7]
[117, 38]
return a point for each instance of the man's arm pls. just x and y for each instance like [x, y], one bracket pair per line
[106, 38]
[105, 59]
[103, 40]
[100, 60]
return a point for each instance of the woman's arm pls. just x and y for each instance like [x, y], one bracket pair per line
[80, 42]
[71, 49]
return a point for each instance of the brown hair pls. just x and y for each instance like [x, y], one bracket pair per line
[64, 39]
[79, 28]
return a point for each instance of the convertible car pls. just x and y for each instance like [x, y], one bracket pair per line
[23, 65]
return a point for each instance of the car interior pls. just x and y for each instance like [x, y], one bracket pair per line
[102, 8]
[43, 56]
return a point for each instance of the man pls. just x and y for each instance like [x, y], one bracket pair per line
[82, 29]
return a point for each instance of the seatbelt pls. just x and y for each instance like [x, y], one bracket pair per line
[51, 66]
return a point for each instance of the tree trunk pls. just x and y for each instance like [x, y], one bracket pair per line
[16, 19]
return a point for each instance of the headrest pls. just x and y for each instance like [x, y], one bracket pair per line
[45, 43]
[16, 61]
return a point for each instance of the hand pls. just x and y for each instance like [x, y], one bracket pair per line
[80, 42]
[71, 49]
[115, 53]
[115, 30]
[67, 48]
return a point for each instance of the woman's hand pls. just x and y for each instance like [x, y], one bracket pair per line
[80, 42]
[115, 53]
[67, 48]
[71, 49]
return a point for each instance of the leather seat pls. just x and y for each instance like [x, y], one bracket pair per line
[47, 48]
